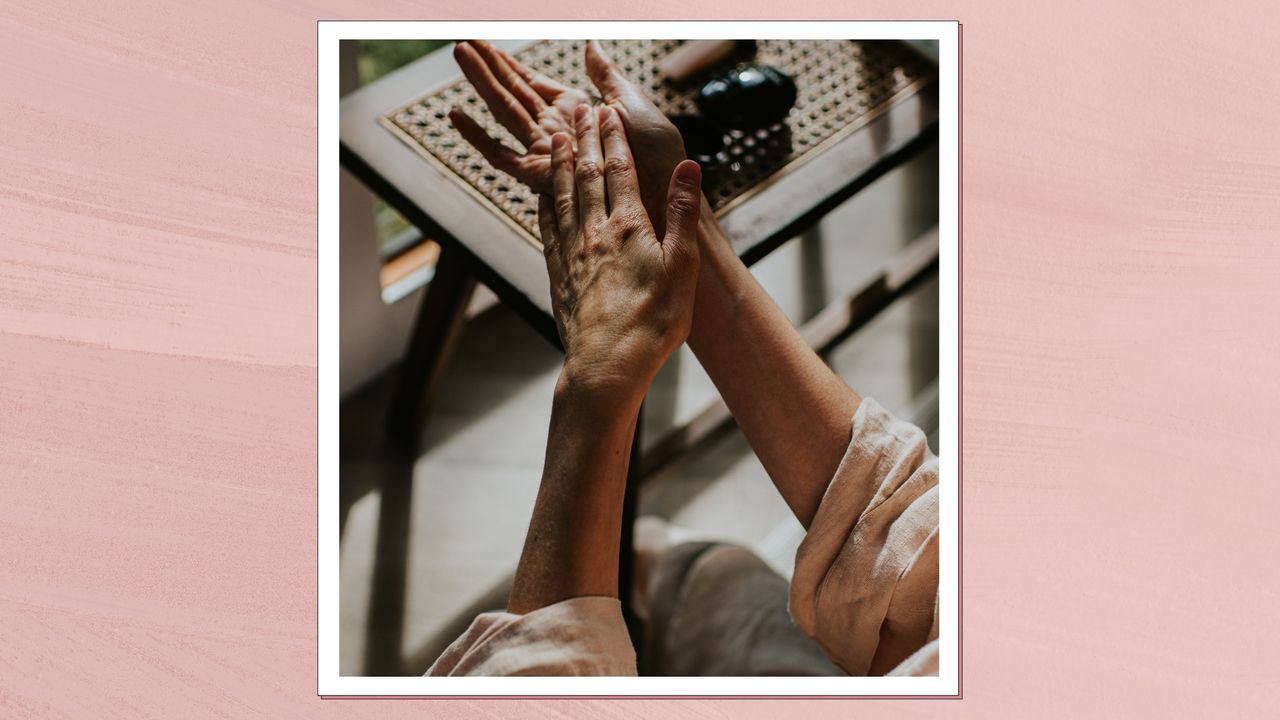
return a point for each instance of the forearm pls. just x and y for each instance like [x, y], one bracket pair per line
[794, 411]
[572, 546]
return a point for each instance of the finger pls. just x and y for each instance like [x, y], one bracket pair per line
[500, 156]
[504, 106]
[565, 200]
[509, 78]
[588, 171]
[547, 224]
[520, 68]
[546, 87]
[605, 75]
[619, 167]
[550, 240]
[684, 203]
[552, 92]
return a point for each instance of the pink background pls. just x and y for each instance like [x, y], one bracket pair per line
[158, 364]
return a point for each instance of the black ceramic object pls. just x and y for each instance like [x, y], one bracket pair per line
[748, 97]
[702, 140]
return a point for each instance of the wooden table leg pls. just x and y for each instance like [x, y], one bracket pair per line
[435, 332]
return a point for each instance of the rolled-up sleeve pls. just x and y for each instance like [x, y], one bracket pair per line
[580, 636]
[866, 575]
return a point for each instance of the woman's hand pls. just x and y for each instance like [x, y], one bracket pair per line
[655, 142]
[622, 293]
[533, 107]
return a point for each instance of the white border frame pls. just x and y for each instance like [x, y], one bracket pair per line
[330, 682]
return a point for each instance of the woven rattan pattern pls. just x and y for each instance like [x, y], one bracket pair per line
[841, 83]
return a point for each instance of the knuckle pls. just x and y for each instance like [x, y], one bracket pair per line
[683, 205]
[617, 166]
[587, 171]
[565, 206]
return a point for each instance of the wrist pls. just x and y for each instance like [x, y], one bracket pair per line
[718, 298]
[603, 390]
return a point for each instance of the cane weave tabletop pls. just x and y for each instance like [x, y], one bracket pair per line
[842, 85]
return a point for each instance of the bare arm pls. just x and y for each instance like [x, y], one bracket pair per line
[795, 412]
[623, 297]
[572, 546]
[793, 409]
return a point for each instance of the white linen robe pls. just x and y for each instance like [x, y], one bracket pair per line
[865, 585]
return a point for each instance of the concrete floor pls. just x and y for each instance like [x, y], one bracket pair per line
[431, 537]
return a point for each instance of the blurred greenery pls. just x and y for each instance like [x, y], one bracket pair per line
[377, 58]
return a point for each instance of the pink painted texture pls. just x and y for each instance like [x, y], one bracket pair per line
[158, 364]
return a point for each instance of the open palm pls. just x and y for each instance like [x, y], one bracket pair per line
[534, 107]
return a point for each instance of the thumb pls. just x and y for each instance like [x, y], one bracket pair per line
[684, 205]
[606, 76]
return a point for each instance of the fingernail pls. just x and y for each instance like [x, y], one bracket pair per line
[559, 141]
[580, 112]
[689, 173]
